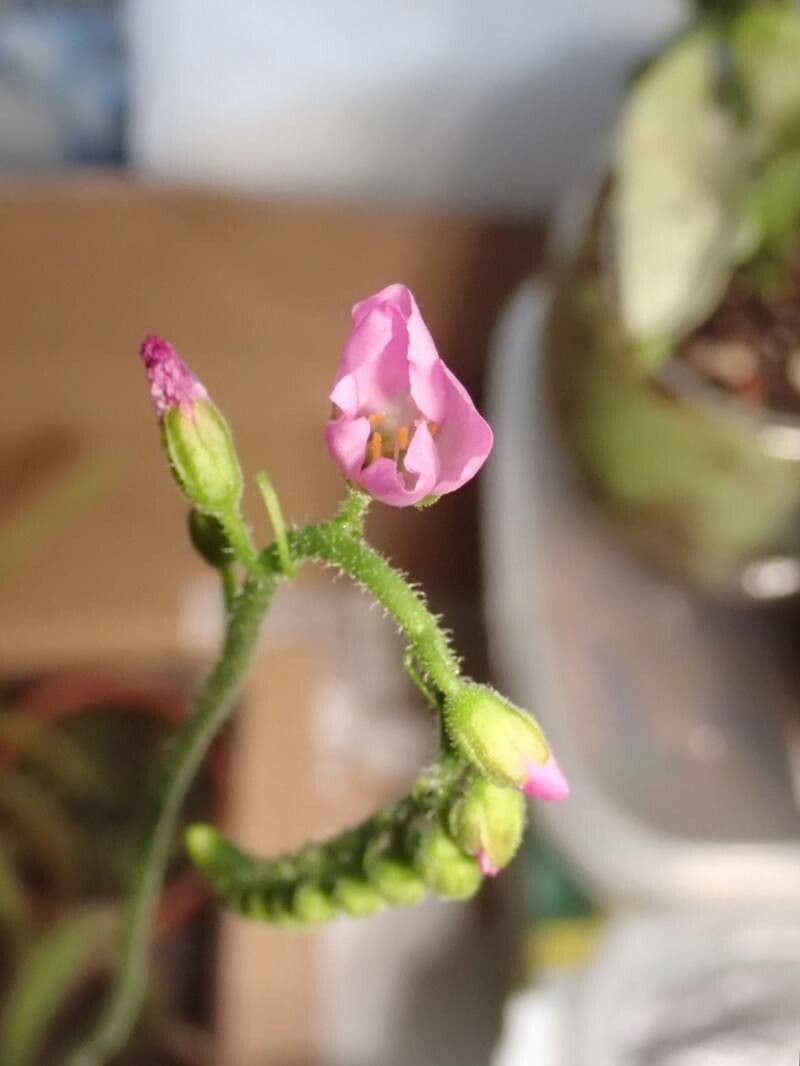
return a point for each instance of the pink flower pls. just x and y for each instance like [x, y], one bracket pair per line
[545, 780]
[404, 427]
[172, 384]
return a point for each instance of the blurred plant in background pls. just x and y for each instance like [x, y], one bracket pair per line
[674, 338]
[74, 749]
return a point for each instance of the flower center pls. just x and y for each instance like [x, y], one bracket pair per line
[389, 439]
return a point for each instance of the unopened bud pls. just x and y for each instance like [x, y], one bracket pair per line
[503, 742]
[443, 866]
[209, 539]
[356, 897]
[196, 436]
[393, 878]
[311, 904]
[488, 821]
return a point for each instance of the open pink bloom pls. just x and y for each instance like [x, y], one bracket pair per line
[404, 427]
[172, 384]
[545, 781]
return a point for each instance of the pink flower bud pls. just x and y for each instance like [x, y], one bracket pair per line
[488, 821]
[504, 742]
[196, 437]
[487, 867]
[546, 781]
[404, 428]
[172, 384]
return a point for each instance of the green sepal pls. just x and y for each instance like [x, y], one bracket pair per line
[426, 502]
[494, 735]
[488, 818]
[200, 449]
[444, 867]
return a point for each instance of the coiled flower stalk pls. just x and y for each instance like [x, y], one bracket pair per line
[403, 431]
[421, 843]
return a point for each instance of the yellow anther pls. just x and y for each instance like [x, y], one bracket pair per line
[375, 420]
[401, 440]
[433, 428]
[374, 448]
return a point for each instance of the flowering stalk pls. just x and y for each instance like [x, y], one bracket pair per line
[404, 431]
[392, 857]
[333, 543]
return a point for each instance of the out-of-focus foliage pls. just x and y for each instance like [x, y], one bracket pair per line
[701, 185]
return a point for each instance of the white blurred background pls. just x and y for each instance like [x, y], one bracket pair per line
[445, 103]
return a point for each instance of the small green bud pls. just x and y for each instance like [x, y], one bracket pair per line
[356, 898]
[280, 913]
[443, 866]
[210, 539]
[201, 454]
[311, 905]
[393, 878]
[488, 821]
[503, 742]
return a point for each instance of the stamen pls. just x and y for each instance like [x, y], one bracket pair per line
[374, 448]
[433, 428]
[401, 438]
[375, 420]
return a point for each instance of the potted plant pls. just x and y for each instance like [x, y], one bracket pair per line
[673, 339]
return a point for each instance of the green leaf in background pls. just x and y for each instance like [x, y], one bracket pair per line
[690, 200]
[680, 167]
[765, 42]
[79, 944]
[771, 210]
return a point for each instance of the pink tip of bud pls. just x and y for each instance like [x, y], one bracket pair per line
[172, 384]
[488, 869]
[546, 781]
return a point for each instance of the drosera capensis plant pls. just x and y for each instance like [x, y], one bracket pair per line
[403, 431]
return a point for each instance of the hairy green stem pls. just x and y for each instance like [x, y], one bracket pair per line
[240, 540]
[334, 544]
[188, 748]
[230, 587]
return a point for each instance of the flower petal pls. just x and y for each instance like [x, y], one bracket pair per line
[347, 443]
[488, 868]
[386, 483]
[426, 369]
[465, 439]
[392, 294]
[546, 781]
[373, 371]
[381, 479]
[422, 459]
[172, 383]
